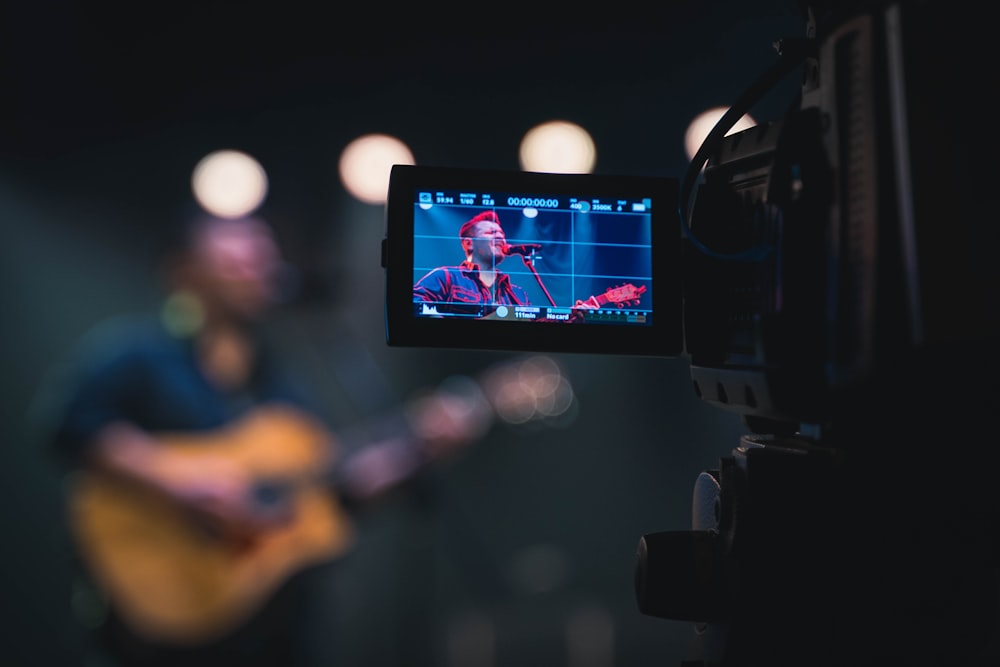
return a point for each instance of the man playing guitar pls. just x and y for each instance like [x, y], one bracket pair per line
[173, 422]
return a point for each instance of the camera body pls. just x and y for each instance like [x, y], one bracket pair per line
[838, 295]
[841, 244]
[830, 276]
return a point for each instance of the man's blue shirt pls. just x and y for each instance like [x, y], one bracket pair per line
[458, 290]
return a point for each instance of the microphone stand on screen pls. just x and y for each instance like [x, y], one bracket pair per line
[528, 256]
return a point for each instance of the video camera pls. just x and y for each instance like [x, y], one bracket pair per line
[831, 277]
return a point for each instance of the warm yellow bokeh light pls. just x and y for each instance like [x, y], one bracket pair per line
[558, 147]
[365, 165]
[703, 123]
[229, 183]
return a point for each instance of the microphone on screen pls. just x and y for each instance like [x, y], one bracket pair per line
[523, 249]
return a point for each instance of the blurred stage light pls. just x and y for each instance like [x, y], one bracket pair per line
[229, 183]
[365, 164]
[558, 147]
[471, 639]
[532, 388]
[590, 636]
[703, 123]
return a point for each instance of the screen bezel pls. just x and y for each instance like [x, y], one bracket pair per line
[664, 337]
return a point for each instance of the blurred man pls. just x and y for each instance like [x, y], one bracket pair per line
[210, 493]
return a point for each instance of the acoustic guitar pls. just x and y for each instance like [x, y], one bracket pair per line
[176, 578]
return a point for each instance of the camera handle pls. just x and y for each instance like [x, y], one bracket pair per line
[803, 554]
[760, 532]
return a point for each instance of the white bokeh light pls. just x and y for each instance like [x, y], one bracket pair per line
[703, 123]
[558, 146]
[365, 164]
[229, 183]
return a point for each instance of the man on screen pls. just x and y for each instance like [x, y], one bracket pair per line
[476, 286]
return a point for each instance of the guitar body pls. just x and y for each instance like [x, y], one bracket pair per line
[177, 579]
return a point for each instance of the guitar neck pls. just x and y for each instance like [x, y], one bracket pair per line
[620, 296]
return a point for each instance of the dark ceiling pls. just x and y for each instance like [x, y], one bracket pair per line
[76, 73]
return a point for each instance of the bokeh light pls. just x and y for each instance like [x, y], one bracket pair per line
[558, 146]
[703, 123]
[229, 183]
[531, 389]
[365, 165]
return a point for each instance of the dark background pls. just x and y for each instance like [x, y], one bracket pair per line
[105, 110]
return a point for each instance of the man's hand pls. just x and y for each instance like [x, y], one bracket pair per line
[214, 487]
[447, 420]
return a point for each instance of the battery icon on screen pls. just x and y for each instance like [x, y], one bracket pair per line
[638, 207]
